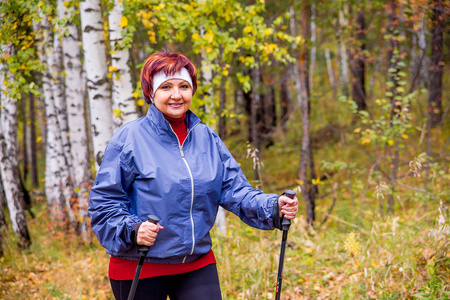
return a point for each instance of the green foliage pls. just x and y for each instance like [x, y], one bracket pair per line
[223, 32]
[20, 58]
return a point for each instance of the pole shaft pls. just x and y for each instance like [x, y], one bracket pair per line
[285, 224]
[136, 278]
[280, 265]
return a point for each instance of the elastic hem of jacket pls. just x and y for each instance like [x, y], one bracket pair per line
[276, 215]
[169, 261]
[133, 233]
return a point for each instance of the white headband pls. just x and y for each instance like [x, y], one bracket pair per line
[160, 78]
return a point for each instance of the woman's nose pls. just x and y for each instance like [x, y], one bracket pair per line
[176, 94]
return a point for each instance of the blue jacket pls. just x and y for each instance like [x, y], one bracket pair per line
[145, 171]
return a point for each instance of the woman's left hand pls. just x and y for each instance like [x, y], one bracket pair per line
[288, 207]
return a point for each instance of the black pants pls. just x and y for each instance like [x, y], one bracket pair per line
[199, 284]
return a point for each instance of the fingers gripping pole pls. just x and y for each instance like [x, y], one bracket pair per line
[285, 224]
[143, 250]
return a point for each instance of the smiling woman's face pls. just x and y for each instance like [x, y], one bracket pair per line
[173, 97]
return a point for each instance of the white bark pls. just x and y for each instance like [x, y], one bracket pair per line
[313, 48]
[98, 85]
[419, 60]
[76, 114]
[9, 166]
[57, 186]
[123, 104]
[56, 65]
[422, 43]
[295, 71]
[343, 56]
[330, 70]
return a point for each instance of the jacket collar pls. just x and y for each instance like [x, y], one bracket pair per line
[157, 118]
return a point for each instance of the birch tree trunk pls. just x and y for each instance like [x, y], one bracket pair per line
[330, 72]
[56, 64]
[75, 116]
[57, 188]
[25, 138]
[255, 106]
[343, 56]
[301, 84]
[285, 102]
[33, 158]
[98, 85]
[124, 107]
[2, 224]
[313, 51]
[58, 129]
[420, 62]
[9, 166]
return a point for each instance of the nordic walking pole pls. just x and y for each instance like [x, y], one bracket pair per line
[285, 224]
[143, 250]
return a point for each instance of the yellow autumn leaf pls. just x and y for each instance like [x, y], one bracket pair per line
[196, 37]
[405, 136]
[123, 22]
[247, 29]
[38, 139]
[390, 142]
[140, 102]
[152, 39]
[365, 141]
[135, 95]
[117, 113]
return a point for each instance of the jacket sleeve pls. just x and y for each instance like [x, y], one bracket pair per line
[252, 206]
[110, 204]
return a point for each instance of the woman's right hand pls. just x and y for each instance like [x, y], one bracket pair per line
[147, 233]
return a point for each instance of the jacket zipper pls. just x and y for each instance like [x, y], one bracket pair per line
[192, 187]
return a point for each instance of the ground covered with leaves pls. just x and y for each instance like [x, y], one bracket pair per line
[401, 257]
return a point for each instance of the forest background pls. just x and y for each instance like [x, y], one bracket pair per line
[342, 101]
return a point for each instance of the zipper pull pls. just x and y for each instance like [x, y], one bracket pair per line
[181, 150]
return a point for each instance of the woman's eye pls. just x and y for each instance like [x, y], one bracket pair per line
[165, 87]
[185, 86]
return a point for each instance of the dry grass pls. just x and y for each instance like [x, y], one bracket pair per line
[399, 257]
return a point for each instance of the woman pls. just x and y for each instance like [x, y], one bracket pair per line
[170, 165]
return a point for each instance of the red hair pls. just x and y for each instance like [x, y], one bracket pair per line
[169, 63]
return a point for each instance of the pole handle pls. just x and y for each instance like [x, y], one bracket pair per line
[143, 250]
[286, 223]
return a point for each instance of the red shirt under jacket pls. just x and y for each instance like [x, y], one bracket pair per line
[124, 269]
